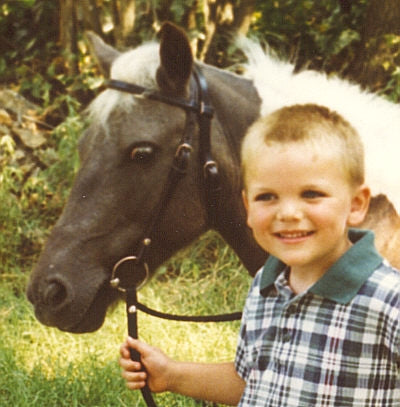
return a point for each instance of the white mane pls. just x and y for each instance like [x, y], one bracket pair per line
[376, 119]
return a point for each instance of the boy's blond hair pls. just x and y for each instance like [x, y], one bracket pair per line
[307, 123]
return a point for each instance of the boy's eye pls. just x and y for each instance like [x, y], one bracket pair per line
[267, 196]
[311, 194]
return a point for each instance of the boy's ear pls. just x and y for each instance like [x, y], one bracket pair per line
[359, 205]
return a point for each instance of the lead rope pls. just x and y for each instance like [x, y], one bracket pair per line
[131, 301]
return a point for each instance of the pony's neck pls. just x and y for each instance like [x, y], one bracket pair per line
[237, 106]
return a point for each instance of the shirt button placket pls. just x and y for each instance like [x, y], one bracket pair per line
[286, 335]
[286, 332]
[291, 309]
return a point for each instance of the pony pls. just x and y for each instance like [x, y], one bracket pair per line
[126, 155]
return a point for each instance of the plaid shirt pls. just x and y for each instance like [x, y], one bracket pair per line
[337, 344]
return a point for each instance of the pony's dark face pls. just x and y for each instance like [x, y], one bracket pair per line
[126, 155]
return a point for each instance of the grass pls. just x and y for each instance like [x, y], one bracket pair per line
[42, 366]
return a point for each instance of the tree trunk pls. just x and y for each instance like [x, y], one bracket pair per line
[378, 53]
[91, 16]
[164, 10]
[383, 17]
[68, 35]
[189, 22]
[226, 20]
[124, 20]
[243, 13]
[345, 6]
[210, 24]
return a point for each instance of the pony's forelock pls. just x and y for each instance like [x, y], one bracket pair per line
[137, 66]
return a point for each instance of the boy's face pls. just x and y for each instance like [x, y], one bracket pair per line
[300, 203]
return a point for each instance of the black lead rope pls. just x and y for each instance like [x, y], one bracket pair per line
[131, 300]
[133, 305]
[234, 316]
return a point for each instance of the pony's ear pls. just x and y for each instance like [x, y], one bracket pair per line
[105, 54]
[176, 59]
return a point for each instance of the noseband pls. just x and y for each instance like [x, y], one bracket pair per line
[198, 109]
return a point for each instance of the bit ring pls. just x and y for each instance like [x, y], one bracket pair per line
[115, 282]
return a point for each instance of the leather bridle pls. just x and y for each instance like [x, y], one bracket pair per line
[198, 109]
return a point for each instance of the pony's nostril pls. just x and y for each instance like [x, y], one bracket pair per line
[55, 294]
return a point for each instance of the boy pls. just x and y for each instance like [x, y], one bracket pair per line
[321, 325]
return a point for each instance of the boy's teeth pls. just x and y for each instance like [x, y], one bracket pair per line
[293, 234]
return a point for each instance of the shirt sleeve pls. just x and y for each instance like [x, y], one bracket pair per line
[241, 357]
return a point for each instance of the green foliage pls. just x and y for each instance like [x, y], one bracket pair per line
[393, 86]
[312, 32]
[387, 65]
[28, 36]
[30, 202]
[29, 205]
[31, 60]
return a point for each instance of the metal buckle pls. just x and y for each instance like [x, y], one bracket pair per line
[186, 147]
[210, 168]
[206, 110]
[181, 159]
[115, 282]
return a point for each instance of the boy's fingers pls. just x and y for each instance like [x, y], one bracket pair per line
[135, 385]
[134, 380]
[124, 351]
[134, 376]
[130, 365]
[141, 347]
[130, 343]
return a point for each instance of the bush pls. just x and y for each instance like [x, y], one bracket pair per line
[30, 203]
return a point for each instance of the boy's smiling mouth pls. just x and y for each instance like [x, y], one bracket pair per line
[296, 234]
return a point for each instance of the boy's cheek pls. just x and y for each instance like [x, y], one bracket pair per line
[251, 218]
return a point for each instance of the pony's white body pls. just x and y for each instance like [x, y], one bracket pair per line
[376, 119]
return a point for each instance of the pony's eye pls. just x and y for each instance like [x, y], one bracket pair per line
[142, 154]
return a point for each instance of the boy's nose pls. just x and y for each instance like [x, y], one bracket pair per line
[288, 211]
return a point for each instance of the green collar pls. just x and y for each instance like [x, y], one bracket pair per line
[342, 280]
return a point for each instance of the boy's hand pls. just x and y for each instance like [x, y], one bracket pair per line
[153, 360]
[216, 382]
